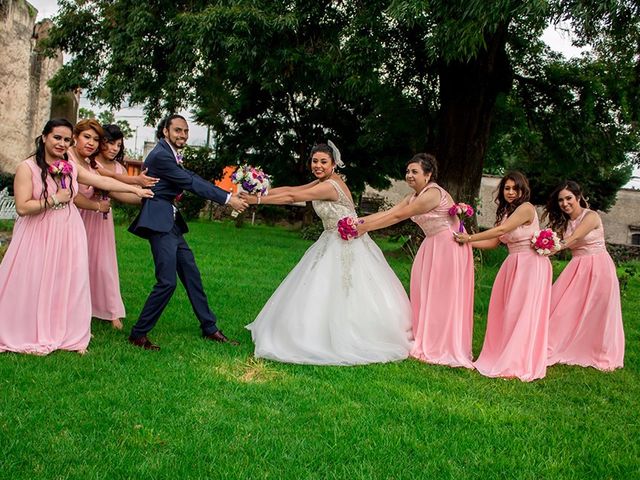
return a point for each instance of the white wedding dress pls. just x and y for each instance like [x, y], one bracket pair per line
[340, 305]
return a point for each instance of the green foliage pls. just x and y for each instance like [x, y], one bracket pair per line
[383, 79]
[204, 162]
[106, 117]
[563, 121]
[6, 181]
[629, 271]
[198, 410]
[123, 214]
[312, 231]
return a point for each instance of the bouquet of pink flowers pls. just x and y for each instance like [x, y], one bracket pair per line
[347, 227]
[545, 241]
[60, 169]
[461, 210]
[251, 179]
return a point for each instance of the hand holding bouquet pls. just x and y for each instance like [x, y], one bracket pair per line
[252, 180]
[545, 241]
[461, 210]
[347, 227]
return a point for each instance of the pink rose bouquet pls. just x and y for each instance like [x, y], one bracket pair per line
[60, 169]
[461, 210]
[347, 227]
[545, 241]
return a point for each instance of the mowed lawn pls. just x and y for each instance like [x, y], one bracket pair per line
[200, 410]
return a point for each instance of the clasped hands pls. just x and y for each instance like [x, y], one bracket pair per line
[238, 203]
[251, 199]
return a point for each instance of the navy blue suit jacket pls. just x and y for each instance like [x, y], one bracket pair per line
[157, 213]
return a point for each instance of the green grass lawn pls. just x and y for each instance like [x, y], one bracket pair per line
[201, 410]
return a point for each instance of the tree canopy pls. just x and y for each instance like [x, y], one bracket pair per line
[467, 79]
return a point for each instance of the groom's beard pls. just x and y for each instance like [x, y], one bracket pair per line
[177, 148]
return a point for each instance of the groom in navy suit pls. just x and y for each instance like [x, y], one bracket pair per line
[160, 222]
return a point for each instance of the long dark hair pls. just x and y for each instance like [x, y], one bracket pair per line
[112, 133]
[90, 124]
[428, 164]
[558, 220]
[522, 186]
[40, 155]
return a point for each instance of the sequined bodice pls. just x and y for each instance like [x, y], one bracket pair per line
[519, 240]
[592, 243]
[330, 211]
[438, 219]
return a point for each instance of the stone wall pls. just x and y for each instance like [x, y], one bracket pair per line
[620, 223]
[25, 98]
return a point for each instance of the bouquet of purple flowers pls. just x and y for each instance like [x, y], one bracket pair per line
[251, 179]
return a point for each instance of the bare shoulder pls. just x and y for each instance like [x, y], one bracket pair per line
[593, 218]
[343, 186]
[23, 167]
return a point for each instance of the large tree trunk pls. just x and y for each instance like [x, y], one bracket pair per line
[468, 93]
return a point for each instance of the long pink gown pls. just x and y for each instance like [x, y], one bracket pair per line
[45, 304]
[515, 343]
[442, 289]
[585, 327]
[106, 301]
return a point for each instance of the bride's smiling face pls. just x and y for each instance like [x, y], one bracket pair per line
[322, 165]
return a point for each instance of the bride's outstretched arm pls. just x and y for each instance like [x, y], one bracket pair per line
[287, 189]
[320, 191]
[423, 204]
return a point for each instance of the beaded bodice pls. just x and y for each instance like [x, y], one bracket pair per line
[519, 240]
[330, 211]
[437, 219]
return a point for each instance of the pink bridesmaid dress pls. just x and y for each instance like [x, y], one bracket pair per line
[515, 343]
[585, 327]
[45, 304]
[442, 289]
[106, 301]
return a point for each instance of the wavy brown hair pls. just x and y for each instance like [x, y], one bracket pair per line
[522, 186]
[558, 220]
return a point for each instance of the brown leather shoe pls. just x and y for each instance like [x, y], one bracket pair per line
[143, 342]
[220, 338]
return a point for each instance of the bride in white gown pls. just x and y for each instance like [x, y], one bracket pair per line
[341, 304]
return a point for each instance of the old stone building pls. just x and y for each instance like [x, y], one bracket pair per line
[621, 223]
[25, 98]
